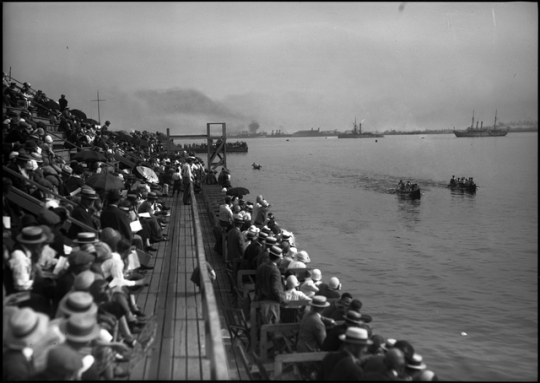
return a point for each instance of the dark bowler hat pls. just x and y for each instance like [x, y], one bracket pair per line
[48, 217]
[86, 237]
[262, 236]
[88, 193]
[356, 335]
[31, 235]
[80, 257]
[152, 196]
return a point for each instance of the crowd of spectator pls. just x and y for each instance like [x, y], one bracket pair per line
[330, 320]
[75, 255]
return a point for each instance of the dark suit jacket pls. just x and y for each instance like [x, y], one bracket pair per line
[329, 362]
[332, 341]
[268, 286]
[250, 255]
[80, 214]
[17, 182]
[346, 369]
[235, 244]
[326, 292]
[115, 218]
[312, 332]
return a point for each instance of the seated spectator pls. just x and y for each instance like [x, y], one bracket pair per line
[339, 308]
[312, 329]
[330, 290]
[302, 258]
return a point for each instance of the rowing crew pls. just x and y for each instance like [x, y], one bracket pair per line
[462, 182]
[408, 187]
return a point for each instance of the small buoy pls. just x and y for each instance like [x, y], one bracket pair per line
[464, 333]
[376, 141]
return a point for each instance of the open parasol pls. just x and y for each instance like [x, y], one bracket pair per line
[78, 113]
[105, 181]
[148, 174]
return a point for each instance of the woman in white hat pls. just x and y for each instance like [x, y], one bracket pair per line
[292, 293]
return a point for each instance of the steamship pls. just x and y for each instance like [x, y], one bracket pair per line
[481, 132]
[357, 132]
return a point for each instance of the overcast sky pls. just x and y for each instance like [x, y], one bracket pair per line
[285, 65]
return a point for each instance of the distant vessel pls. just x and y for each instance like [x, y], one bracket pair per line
[357, 132]
[481, 132]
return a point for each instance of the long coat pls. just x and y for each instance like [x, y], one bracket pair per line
[80, 214]
[115, 218]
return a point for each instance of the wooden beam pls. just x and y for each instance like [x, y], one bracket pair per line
[295, 358]
[266, 328]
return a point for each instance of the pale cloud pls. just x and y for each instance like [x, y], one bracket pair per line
[296, 65]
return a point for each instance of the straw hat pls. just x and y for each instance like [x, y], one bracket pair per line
[353, 317]
[80, 327]
[303, 256]
[32, 235]
[84, 280]
[319, 301]
[26, 328]
[356, 335]
[78, 302]
[86, 237]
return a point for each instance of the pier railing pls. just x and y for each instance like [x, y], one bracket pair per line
[215, 350]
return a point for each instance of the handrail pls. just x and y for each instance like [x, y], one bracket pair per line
[40, 187]
[39, 203]
[214, 343]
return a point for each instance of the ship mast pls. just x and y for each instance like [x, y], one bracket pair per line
[472, 123]
[354, 130]
[495, 123]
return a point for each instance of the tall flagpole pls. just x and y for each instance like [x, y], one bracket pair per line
[98, 100]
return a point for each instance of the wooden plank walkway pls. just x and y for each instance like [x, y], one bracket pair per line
[223, 290]
[178, 352]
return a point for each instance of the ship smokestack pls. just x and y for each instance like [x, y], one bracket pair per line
[481, 124]
[476, 124]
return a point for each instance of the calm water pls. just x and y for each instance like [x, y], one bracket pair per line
[426, 270]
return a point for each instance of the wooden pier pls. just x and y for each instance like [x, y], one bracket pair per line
[188, 342]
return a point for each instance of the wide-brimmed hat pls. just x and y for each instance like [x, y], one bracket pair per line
[238, 219]
[86, 237]
[78, 302]
[275, 251]
[80, 327]
[353, 317]
[152, 196]
[319, 301]
[26, 328]
[316, 274]
[303, 256]
[416, 362]
[88, 193]
[31, 235]
[251, 234]
[262, 236]
[356, 335]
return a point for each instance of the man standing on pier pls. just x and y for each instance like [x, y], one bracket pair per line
[187, 178]
[269, 288]
[235, 241]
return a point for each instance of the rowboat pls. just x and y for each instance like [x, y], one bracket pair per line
[414, 194]
[464, 187]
